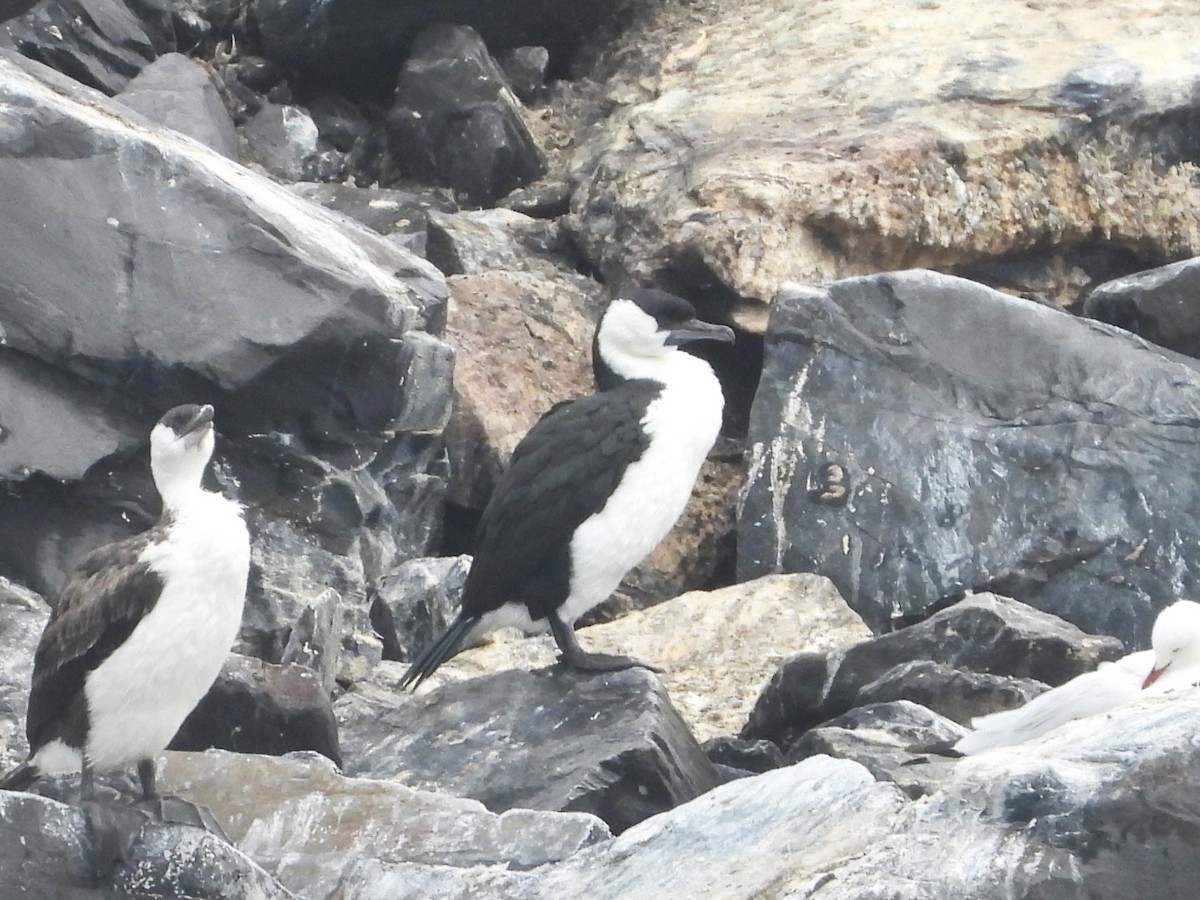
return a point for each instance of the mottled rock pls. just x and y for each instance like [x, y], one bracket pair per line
[401, 215]
[885, 738]
[315, 640]
[748, 756]
[525, 69]
[256, 707]
[716, 648]
[476, 242]
[792, 701]
[456, 122]
[308, 825]
[957, 694]
[753, 143]
[1158, 305]
[23, 615]
[47, 853]
[608, 744]
[993, 444]
[179, 93]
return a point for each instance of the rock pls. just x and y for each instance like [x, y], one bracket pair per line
[315, 641]
[910, 149]
[456, 122]
[47, 853]
[1157, 305]
[332, 42]
[256, 707]
[477, 242]
[610, 744]
[23, 615]
[791, 702]
[984, 633]
[957, 468]
[100, 43]
[748, 756]
[715, 648]
[421, 598]
[401, 215]
[1093, 810]
[176, 92]
[772, 835]
[525, 69]
[886, 737]
[957, 694]
[538, 333]
[309, 825]
[282, 138]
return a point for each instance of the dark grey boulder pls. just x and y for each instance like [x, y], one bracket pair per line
[100, 43]
[359, 45]
[552, 739]
[257, 707]
[401, 215]
[917, 436]
[984, 633]
[958, 694]
[456, 122]
[315, 640]
[180, 93]
[1011, 644]
[747, 756]
[1159, 305]
[23, 615]
[886, 737]
[525, 69]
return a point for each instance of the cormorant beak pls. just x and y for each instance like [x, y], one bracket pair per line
[199, 423]
[695, 330]
[1154, 675]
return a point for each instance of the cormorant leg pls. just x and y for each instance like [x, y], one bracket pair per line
[87, 784]
[145, 769]
[577, 658]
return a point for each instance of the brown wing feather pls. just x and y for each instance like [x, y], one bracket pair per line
[105, 597]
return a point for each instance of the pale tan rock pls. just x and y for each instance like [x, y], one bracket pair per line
[716, 649]
[811, 140]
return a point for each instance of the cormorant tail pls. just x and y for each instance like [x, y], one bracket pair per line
[438, 652]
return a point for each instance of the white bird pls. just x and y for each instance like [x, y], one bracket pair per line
[142, 626]
[1173, 663]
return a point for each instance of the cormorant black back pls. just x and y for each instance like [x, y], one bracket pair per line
[595, 484]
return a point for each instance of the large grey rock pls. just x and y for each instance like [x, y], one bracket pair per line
[48, 853]
[282, 138]
[309, 826]
[957, 694]
[100, 43]
[774, 835]
[179, 93]
[608, 744]
[740, 145]
[993, 444]
[420, 598]
[456, 122]
[1159, 305]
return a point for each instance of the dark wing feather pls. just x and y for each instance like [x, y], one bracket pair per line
[561, 473]
[102, 601]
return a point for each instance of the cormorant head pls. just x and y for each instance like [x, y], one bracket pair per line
[643, 325]
[181, 444]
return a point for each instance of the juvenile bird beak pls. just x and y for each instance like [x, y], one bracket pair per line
[1154, 675]
[695, 330]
